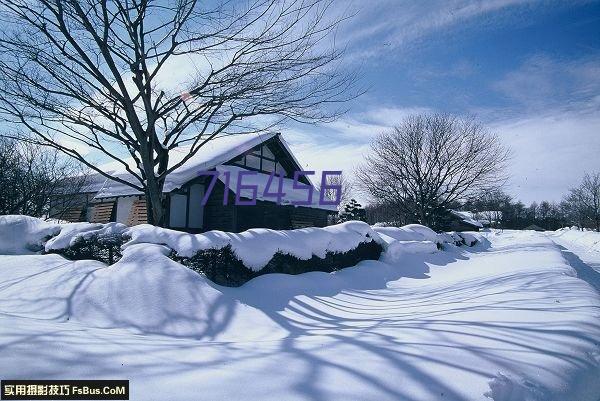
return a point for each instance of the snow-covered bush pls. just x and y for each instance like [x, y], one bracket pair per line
[104, 247]
[222, 266]
[229, 259]
[469, 239]
[226, 258]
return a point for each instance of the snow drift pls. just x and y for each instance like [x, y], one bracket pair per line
[23, 234]
[508, 322]
[587, 239]
[151, 293]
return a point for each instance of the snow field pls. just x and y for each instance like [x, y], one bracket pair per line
[506, 320]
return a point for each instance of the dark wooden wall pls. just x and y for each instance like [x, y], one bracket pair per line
[264, 214]
[218, 216]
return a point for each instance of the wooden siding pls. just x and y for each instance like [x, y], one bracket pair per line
[138, 213]
[73, 214]
[103, 212]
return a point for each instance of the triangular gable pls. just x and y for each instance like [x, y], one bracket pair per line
[282, 154]
[212, 154]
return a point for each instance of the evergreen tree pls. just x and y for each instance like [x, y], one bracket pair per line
[353, 211]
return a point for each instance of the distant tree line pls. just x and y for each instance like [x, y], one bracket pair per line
[580, 207]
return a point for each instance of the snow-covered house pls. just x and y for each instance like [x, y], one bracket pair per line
[463, 221]
[240, 163]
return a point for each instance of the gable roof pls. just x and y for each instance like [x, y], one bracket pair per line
[214, 153]
[466, 218]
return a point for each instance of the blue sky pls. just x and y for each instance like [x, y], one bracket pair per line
[529, 70]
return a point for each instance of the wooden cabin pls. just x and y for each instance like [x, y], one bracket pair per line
[463, 221]
[230, 158]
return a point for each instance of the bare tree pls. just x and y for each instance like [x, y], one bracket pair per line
[31, 176]
[583, 202]
[341, 181]
[92, 73]
[430, 162]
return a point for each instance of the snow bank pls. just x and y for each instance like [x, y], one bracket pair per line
[509, 324]
[419, 233]
[257, 246]
[24, 235]
[470, 239]
[411, 232]
[71, 232]
[586, 239]
[151, 293]
[254, 247]
[398, 249]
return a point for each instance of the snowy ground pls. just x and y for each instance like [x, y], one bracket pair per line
[505, 320]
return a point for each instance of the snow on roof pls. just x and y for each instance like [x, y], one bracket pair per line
[466, 217]
[215, 152]
[261, 180]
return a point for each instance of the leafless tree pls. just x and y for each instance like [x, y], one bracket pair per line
[93, 73]
[583, 202]
[342, 181]
[430, 162]
[31, 176]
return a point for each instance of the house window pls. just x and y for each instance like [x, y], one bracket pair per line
[261, 159]
[253, 161]
[268, 165]
[124, 205]
[240, 161]
[196, 214]
[178, 211]
[266, 152]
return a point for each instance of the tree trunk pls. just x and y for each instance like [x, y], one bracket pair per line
[155, 208]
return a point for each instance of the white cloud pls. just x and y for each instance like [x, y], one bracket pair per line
[541, 82]
[394, 24]
[551, 153]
